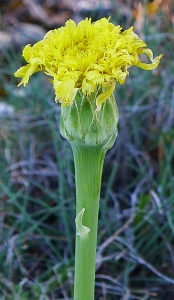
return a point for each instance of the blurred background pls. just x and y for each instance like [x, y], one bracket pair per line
[135, 254]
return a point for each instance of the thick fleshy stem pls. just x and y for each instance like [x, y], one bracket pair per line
[91, 131]
[88, 172]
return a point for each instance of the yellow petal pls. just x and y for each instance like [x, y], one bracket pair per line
[105, 95]
[88, 87]
[27, 52]
[65, 91]
[151, 66]
[87, 56]
[25, 72]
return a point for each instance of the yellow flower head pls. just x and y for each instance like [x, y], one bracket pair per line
[86, 57]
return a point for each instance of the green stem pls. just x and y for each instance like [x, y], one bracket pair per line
[88, 171]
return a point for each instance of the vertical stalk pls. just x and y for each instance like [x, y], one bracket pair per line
[88, 171]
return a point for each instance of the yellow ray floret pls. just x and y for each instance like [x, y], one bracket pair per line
[84, 57]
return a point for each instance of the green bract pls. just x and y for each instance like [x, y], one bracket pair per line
[80, 123]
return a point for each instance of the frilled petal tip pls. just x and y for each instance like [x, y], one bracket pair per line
[25, 72]
[65, 91]
[22, 73]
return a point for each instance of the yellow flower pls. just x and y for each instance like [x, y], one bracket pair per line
[86, 57]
